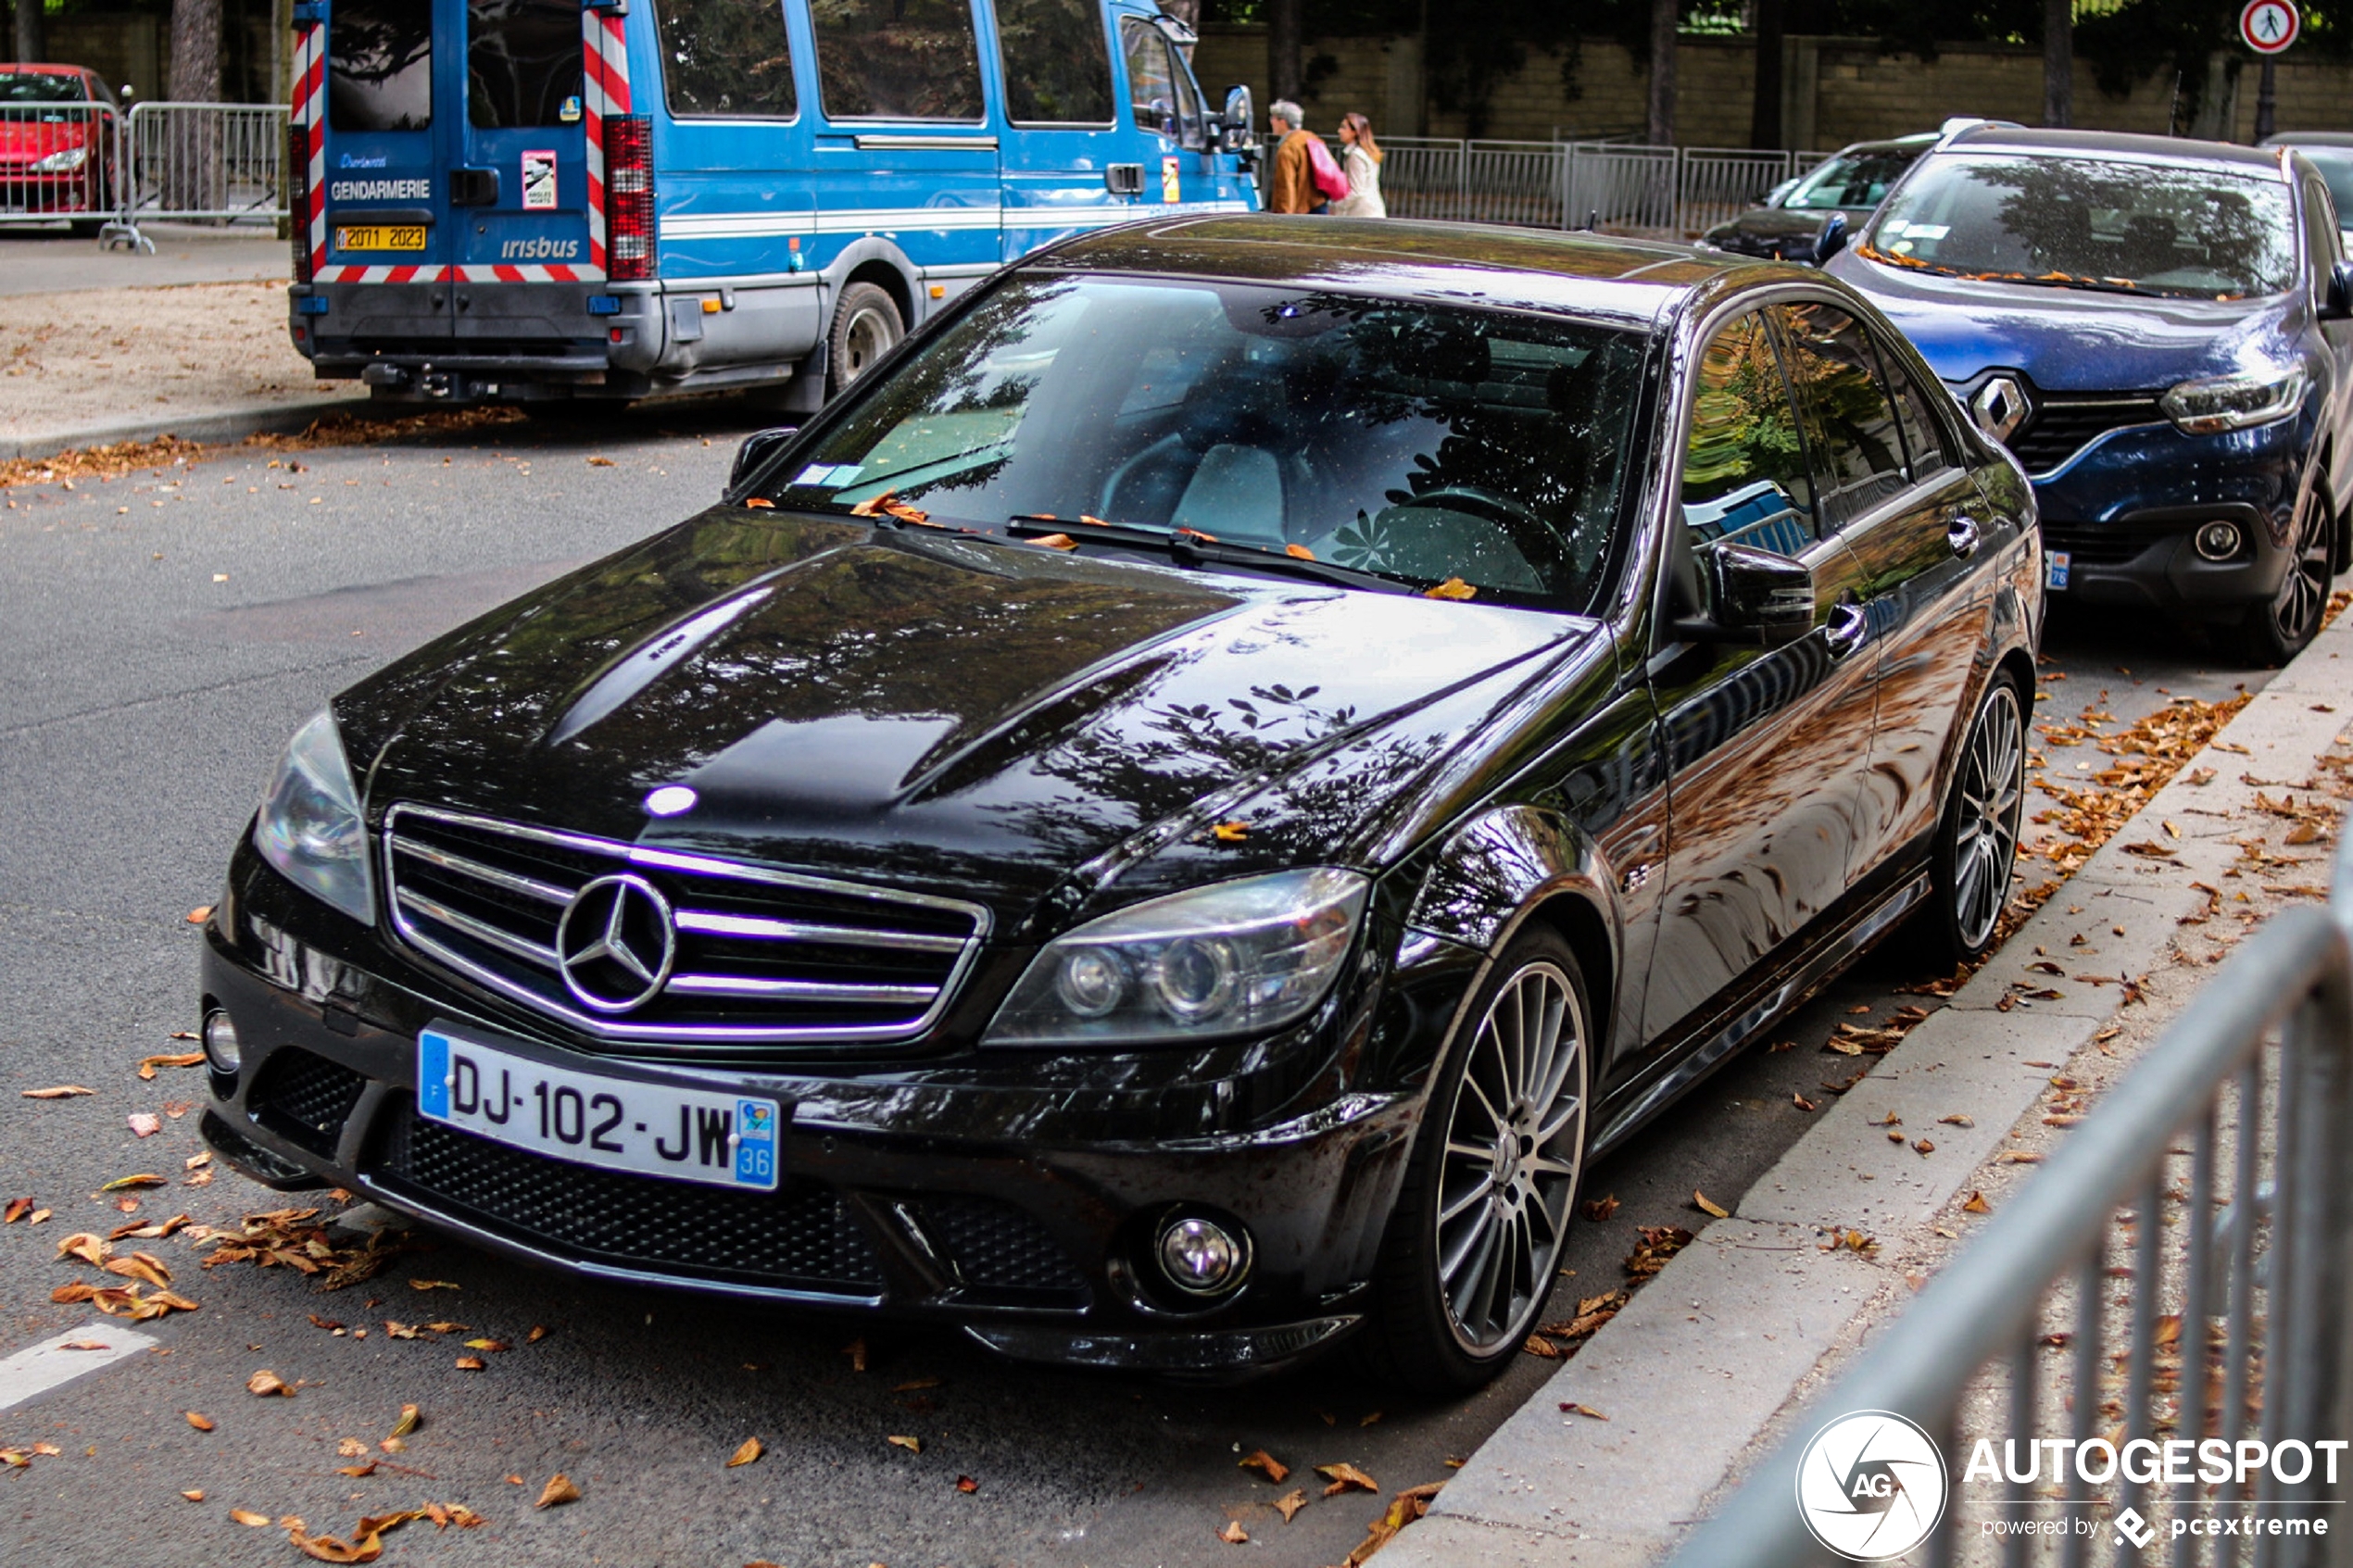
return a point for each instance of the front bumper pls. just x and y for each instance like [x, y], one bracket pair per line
[1015, 1197]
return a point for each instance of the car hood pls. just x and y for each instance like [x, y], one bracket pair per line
[1776, 225]
[27, 138]
[2069, 339]
[933, 710]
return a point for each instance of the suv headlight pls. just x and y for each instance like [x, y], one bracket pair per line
[63, 162]
[2234, 401]
[309, 826]
[1252, 954]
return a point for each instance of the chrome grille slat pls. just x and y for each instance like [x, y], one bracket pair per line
[762, 955]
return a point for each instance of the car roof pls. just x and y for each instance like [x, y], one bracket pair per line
[2175, 150]
[1445, 263]
[33, 70]
[1917, 141]
[2310, 139]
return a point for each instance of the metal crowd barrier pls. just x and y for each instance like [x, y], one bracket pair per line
[221, 163]
[1619, 187]
[63, 161]
[2201, 1220]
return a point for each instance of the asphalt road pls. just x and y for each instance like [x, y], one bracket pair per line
[160, 639]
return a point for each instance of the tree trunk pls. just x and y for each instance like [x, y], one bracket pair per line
[190, 148]
[196, 51]
[1662, 117]
[30, 45]
[1765, 116]
[2058, 62]
[1282, 48]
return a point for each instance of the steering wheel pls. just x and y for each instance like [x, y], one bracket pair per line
[1515, 519]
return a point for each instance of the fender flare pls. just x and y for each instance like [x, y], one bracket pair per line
[1497, 869]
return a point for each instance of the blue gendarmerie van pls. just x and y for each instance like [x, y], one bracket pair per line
[543, 200]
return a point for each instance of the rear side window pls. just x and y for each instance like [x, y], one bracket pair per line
[726, 59]
[1057, 63]
[1151, 80]
[897, 59]
[523, 63]
[1744, 475]
[1858, 453]
[379, 65]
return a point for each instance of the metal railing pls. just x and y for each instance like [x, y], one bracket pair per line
[107, 171]
[1616, 186]
[2217, 1180]
[61, 162]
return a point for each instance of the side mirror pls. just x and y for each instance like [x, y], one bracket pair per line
[1751, 597]
[758, 447]
[1831, 240]
[2338, 304]
[1239, 119]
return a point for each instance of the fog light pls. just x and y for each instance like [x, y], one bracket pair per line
[2217, 541]
[220, 1043]
[1201, 1257]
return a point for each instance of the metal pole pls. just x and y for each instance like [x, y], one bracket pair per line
[2267, 100]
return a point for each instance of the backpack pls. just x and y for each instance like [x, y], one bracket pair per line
[1330, 180]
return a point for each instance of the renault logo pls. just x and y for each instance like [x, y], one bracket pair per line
[616, 942]
[1999, 408]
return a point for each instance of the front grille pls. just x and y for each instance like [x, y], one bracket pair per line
[800, 1236]
[1000, 1252]
[759, 955]
[2104, 544]
[306, 1098]
[2061, 423]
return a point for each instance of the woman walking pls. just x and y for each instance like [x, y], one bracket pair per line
[1361, 157]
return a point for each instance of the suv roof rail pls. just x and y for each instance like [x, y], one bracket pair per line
[1960, 125]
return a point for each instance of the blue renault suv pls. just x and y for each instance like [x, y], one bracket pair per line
[2161, 332]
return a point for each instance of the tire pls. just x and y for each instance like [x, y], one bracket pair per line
[867, 326]
[1438, 1326]
[2276, 631]
[1976, 847]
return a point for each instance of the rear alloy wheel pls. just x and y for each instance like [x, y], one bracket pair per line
[1472, 1248]
[2276, 631]
[866, 327]
[1977, 842]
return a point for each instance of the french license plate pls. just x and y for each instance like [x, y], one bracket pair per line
[2056, 566]
[381, 236]
[617, 1123]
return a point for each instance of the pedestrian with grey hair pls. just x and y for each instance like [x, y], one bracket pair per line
[1291, 174]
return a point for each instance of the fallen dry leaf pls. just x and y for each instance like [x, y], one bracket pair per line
[1599, 1210]
[470, 1363]
[600, 462]
[85, 1344]
[144, 1123]
[1291, 1502]
[125, 1183]
[202, 912]
[265, 1383]
[1266, 1464]
[750, 1451]
[247, 1516]
[356, 1471]
[1453, 588]
[1801, 1102]
[1718, 1210]
[410, 1418]
[62, 1091]
[2017, 1157]
[1233, 1534]
[493, 1346]
[856, 1351]
[914, 1384]
[1345, 1477]
[432, 1284]
[147, 1064]
[1573, 1408]
[913, 1445]
[1956, 1120]
[200, 1422]
[966, 1484]
[194, 1494]
[1230, 833]
[1923, 1147]
[351, 1447]
[17, 1209]
[538, 1331]
[558, 1489]
[85, 1246]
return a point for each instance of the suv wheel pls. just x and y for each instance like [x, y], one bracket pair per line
[2275, 632]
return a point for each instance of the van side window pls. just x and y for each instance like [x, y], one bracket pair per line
[1057, 62]
[1151, 80]
[897, 59]
[523, 63]
[726, 59]
[379, 65]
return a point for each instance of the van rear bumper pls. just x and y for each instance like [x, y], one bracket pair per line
[452, 340]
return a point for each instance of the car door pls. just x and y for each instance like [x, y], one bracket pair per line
[1766, 747]
[393, 86]
[2324, 248]
[1916, 524]
[1062, 133]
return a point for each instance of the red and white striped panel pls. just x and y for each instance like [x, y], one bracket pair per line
[306, 110]
[605, 59]
[505, 273]
[384, 274]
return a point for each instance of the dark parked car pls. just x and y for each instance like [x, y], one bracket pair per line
[1171, 823]
[2159, 331]
[2331, 152]
[1807, 219]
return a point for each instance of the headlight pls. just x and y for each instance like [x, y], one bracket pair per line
[2251, 398]
[1252, 954]
[64, 162]
[310, 827]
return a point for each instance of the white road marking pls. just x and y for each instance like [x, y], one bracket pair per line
[39, 1368]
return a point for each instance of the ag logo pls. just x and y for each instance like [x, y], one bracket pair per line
[1871, 1486]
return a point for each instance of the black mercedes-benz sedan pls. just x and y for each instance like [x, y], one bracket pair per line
[1170, 825]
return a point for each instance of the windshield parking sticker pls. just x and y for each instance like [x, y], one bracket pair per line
[539, 180]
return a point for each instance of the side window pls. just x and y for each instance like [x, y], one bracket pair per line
[1057, 62]
[1151, 80]
[523, 63]
[897, 59]
[726, 59]
[1924, 438]
[1743, 466]
[1858, 453]
[379, 65]
[2320, 235]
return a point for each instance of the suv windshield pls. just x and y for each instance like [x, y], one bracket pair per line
[1417, 442]
[2091, 223]
[1851, 179]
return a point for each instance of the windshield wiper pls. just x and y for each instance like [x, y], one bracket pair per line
[1188, 547]
[2053, 279]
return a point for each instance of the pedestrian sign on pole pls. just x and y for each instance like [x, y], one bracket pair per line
[2269, 26]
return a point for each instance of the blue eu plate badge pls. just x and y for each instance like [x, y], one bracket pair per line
[756, 1143]
[2056, 566]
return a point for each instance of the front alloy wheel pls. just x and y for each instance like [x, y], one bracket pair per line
[1977, 842]
[2276, 631]
[1470, 1256]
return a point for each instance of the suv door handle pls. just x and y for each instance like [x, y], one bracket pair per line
[1962, 535]
[1848, 626]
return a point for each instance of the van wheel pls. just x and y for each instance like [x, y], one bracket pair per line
[1467, 1262]
[866, 327]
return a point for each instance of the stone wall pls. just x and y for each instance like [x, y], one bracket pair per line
[1835, 90]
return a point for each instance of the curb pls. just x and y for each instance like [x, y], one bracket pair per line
[1709, 1353]
[223, 425]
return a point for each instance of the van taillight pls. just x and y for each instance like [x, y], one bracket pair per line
[629, 197]
[298, 197]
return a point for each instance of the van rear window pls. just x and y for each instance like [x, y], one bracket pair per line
[898, 59]
[523, 63]
[379, 65]
[1057, 64]
[726, 59]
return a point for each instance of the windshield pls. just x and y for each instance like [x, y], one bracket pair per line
[1851, 179]
[1419, 442]
[2144, 228]
[39, 87]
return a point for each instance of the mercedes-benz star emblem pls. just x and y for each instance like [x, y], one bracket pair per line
[616, 942]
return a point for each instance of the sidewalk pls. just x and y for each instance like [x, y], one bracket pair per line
[1644, 1432]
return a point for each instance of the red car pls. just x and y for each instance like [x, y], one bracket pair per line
[58, 129]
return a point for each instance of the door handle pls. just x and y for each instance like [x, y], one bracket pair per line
[1962, 535]
[1847, 629]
